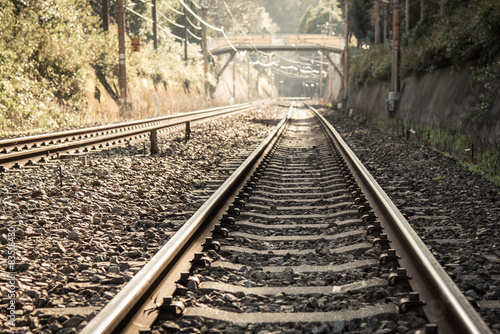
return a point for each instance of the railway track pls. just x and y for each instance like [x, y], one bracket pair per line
[299, 238]
[35, 150]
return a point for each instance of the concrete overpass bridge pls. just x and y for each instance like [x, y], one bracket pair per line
[298, 42]
[302, 42]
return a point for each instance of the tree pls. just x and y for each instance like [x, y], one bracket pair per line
[287, 13]
[359, 19]
[243, 17]
[315, 18]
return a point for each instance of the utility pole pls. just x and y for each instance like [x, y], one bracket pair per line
[105, 15]
[204, 48]
[395, 94]
[346, 54]
[385, 22]
[120, 13]
[155, 27]
[407, 14]
[185, 36]
[376, 9]
[396, 51]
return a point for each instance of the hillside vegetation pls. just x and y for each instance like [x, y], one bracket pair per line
[461, 31]
[59, 69]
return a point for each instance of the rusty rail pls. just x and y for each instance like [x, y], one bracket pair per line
[49, 145]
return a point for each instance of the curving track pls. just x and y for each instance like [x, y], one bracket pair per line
[300, 238]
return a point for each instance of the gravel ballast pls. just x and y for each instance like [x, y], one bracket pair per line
[84, 227]
[79, 243]
[455, 211]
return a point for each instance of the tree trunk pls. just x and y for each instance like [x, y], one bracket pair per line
[422, 10]
[407, 14]
[377, 22]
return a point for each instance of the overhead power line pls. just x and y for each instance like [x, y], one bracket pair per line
[208, 24]
[194, 36]
[170, 33]
[150, 20]
[196, 5]
[140, 15]
[172, 22]
[262, 64]
[147, 3]
[175, 10]
[192, 24]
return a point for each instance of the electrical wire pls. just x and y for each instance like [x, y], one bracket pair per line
[196, 5]
[175, 10]
[237, 25]
[172, 22]
[192, 24]
[208, 25]
[262, 64]
[140, 15]
[298, 62]
[146, 2]
[170, 33]
[194, 36]
[290, 75]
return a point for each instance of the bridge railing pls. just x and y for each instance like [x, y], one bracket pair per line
[296, 39]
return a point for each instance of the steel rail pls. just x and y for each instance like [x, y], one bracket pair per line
[126, 312]
[445, 305]
[126, 130]
[114, 127]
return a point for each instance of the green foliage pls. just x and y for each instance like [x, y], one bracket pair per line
[467, 31]
[359, 19]
[241, 17]
[287, 13]
[485, 81]
[52, 50]
[370, 66]
[314, 20]
[43, 61]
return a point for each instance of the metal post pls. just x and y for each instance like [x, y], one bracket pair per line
[204, 48]
[120, 13]
[105, 15]
[155, 27]
[188, 130]
[321, 75]
[346, 53]
[154, 142]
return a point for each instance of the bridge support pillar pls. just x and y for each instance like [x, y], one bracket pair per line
[231, 56]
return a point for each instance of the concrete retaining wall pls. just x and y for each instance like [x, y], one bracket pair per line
[440, 100]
